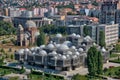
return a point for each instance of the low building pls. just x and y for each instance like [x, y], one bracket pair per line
[64, 56]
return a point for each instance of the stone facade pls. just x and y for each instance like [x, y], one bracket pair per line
[27, 36]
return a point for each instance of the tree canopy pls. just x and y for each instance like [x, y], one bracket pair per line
[41, 39]
[86, 31]
[102, 39]
[6, 28]
[51, 29]
[94, 61]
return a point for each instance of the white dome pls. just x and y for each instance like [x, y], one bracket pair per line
[58, 35]
[42, 46]
[37, 34]
[36, 48]
[59, 55]
[27, 49]
[68, 43]
[30, 24]
[69, 52]
[55, 57]
[87, 38]
[63, 57]
[57, 45]
[43, 52]
[73, 34]
[81, 49]
[83, 44]
[21, 51]
[63, 47]
[73, 47]
[103, 49]
[33, 53]
[54, 52]
[77, 53]
[75, 56]
[94, 44]
[50, 46]
[32, 49]
[68, 56]
[78, 36]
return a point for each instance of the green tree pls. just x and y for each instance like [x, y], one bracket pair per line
[6, 28]
[94, 61]
[51, 29]
[102, 39]
[12, 56]
[95, 3]
[100, 63]
[91, 61]
[41, 39]
[86, 31]
[117, 47]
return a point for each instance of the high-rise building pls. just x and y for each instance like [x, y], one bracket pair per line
[108, 11]
[110, 31]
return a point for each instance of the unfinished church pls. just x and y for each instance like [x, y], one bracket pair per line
[61, 54]
[27, 35]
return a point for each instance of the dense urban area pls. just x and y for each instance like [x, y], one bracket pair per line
[59, 39]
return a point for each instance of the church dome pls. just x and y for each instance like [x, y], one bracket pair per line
[30, 24]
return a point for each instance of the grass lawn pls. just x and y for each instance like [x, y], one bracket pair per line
[113, 72]
[14, 78]
[35, 77]
[39, 76]
[114, 55]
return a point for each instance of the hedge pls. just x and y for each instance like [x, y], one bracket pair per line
[16, 69]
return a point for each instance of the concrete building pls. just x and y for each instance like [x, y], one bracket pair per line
[75, 29]
[39, 21]
[61, 57]
[92, 29]
[108, 11]
[111, 33]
